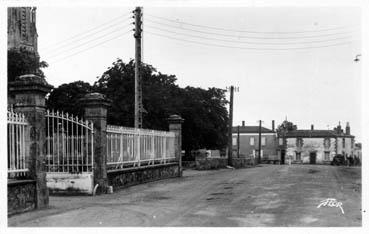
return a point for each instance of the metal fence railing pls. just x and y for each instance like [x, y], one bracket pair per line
[69, 143]
[17, 155]
[131, 147]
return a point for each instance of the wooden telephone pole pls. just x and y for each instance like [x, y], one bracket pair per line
[259, 154]
[230, 125]
[138, 82]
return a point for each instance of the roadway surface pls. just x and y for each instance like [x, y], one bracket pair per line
[267, 195]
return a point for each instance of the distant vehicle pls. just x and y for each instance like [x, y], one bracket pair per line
[338, 160]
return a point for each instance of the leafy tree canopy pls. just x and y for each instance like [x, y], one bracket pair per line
[204, 111]
[22, 61]
[286, 126]
[66, 96]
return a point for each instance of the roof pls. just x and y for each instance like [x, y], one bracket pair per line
[251, 129]
[314, 133]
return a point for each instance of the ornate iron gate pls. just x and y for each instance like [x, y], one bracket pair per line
[69, 152]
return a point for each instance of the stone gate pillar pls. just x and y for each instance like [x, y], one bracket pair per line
[29, 98]
[175, 125]
[95, 108]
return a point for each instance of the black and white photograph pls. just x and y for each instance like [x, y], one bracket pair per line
[184, 114]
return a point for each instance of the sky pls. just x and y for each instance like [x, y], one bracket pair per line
[265, 51]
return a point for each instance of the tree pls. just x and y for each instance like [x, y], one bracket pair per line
[204, 111]
[66, 97]
[206, 119]
[22, 61]
[285, 127]
[117, 83]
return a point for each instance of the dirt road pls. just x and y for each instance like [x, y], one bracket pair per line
[269, 195]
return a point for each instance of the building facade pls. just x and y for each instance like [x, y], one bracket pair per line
[315, 146]
[246, 141]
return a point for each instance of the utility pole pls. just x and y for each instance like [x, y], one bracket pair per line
[230, 125]
[138, 82]
[259, 154]
[238, 141]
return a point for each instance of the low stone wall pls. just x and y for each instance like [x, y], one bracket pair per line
[188, 164]
[211, 163]
[21, 196]
[218, 163]
[70, 184]
[243, 162]
[131, 176]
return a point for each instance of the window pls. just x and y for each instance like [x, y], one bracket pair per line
[299, 142]
[234, 141]
[298, 156]
[327, 142]
[263, 140]
[326, 155]
[280, 141]
[252, 140]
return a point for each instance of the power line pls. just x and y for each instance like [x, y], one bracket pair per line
[67, 43]
[242, 36]
[248, 42]
[246, 48]
[248, 31]
[103, 42]
[92, 29]
[86, 42]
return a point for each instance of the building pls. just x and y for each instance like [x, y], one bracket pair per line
[246, 141]
[313, 146]
[357, 151]
[22, 31]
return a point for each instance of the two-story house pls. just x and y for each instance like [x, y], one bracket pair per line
[314, 146]
[246, 141]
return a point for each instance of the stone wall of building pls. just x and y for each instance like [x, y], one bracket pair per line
[310, 145]
[347, 148]
[21, 196]
[270, 147]
[131, 176]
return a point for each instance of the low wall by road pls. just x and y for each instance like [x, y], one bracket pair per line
[188, 164]
[21, 196]
[218, 163]
[211, 163]
[243, 162]
[71, 184]
[122, 178]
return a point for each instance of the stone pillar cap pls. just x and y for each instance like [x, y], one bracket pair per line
[175, 119]
[29, 82]
[95, 99]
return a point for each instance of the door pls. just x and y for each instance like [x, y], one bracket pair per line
[283, 153]
[312, 157]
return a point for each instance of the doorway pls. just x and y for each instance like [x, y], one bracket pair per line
[283, 154]
[312, 157]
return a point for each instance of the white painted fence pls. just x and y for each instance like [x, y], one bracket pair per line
[127, 147]
[69, 143]
[17, 153]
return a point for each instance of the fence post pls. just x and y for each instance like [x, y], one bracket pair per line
[95, 108]
[29, 96]
[175, 125]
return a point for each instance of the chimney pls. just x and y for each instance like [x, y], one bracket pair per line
[243, 123]
[348, 128]
[339, 130]
[312, 127]
[273, 127]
